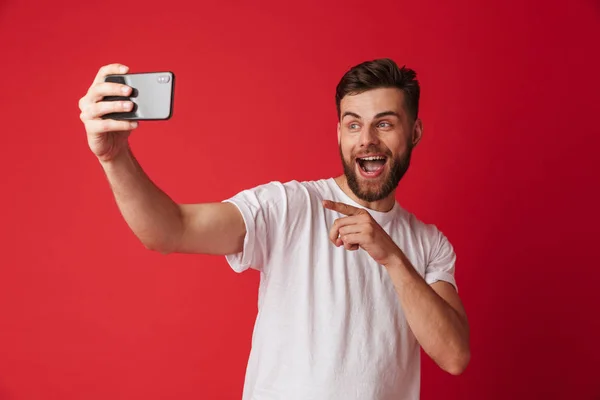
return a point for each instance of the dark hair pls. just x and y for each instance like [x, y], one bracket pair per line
[380, 73]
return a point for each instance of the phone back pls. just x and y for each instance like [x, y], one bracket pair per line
[152, 95]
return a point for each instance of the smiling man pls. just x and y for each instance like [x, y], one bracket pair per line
[352, 284]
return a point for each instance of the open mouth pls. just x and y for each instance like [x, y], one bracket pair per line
[371, 166]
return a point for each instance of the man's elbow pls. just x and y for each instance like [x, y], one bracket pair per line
[158, 247]
[459, 363]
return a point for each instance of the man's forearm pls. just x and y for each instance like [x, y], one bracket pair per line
[150, 213]
[440, 329]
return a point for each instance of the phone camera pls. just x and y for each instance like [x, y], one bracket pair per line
[163, 79]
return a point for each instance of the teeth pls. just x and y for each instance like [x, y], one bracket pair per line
[373, 158]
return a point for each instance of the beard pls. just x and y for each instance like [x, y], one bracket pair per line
[366, 192]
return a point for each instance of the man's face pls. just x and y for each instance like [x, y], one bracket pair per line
[376, 137]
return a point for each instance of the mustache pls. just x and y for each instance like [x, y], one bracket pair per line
[371, 150]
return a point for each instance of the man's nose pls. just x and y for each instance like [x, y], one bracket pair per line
[368, 136]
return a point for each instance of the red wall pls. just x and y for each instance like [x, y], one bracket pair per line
[508, 168]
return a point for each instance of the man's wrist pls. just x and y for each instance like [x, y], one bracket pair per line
[400, 268]
[118, 160]
[397, 261]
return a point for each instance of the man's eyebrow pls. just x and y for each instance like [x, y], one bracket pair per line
[351, 114]
[388, 113]
[380, 115]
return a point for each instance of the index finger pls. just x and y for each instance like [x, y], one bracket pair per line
[341, 207]
[110, 69]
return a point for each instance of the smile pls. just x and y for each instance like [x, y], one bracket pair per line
[371, 166]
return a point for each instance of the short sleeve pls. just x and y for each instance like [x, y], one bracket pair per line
[259, 207]
[442, 260]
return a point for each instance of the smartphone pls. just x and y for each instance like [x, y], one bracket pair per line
[152, 95]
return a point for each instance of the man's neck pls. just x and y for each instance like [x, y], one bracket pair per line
[383, 205]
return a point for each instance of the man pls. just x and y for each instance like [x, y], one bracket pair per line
[351, 283]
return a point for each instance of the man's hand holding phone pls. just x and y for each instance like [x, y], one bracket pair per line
[107, 138]
[117, 100]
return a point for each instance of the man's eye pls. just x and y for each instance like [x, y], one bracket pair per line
[384, 125]
[353, 126]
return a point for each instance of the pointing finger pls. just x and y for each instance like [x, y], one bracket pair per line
[341, 207]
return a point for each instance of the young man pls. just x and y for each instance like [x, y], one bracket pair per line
[351, 283]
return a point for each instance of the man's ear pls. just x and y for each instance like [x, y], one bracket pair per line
[417, 132]
[339, 132]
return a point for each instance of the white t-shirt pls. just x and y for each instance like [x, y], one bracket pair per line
[329, 324]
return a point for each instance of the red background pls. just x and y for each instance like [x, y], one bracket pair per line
[507, 169]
